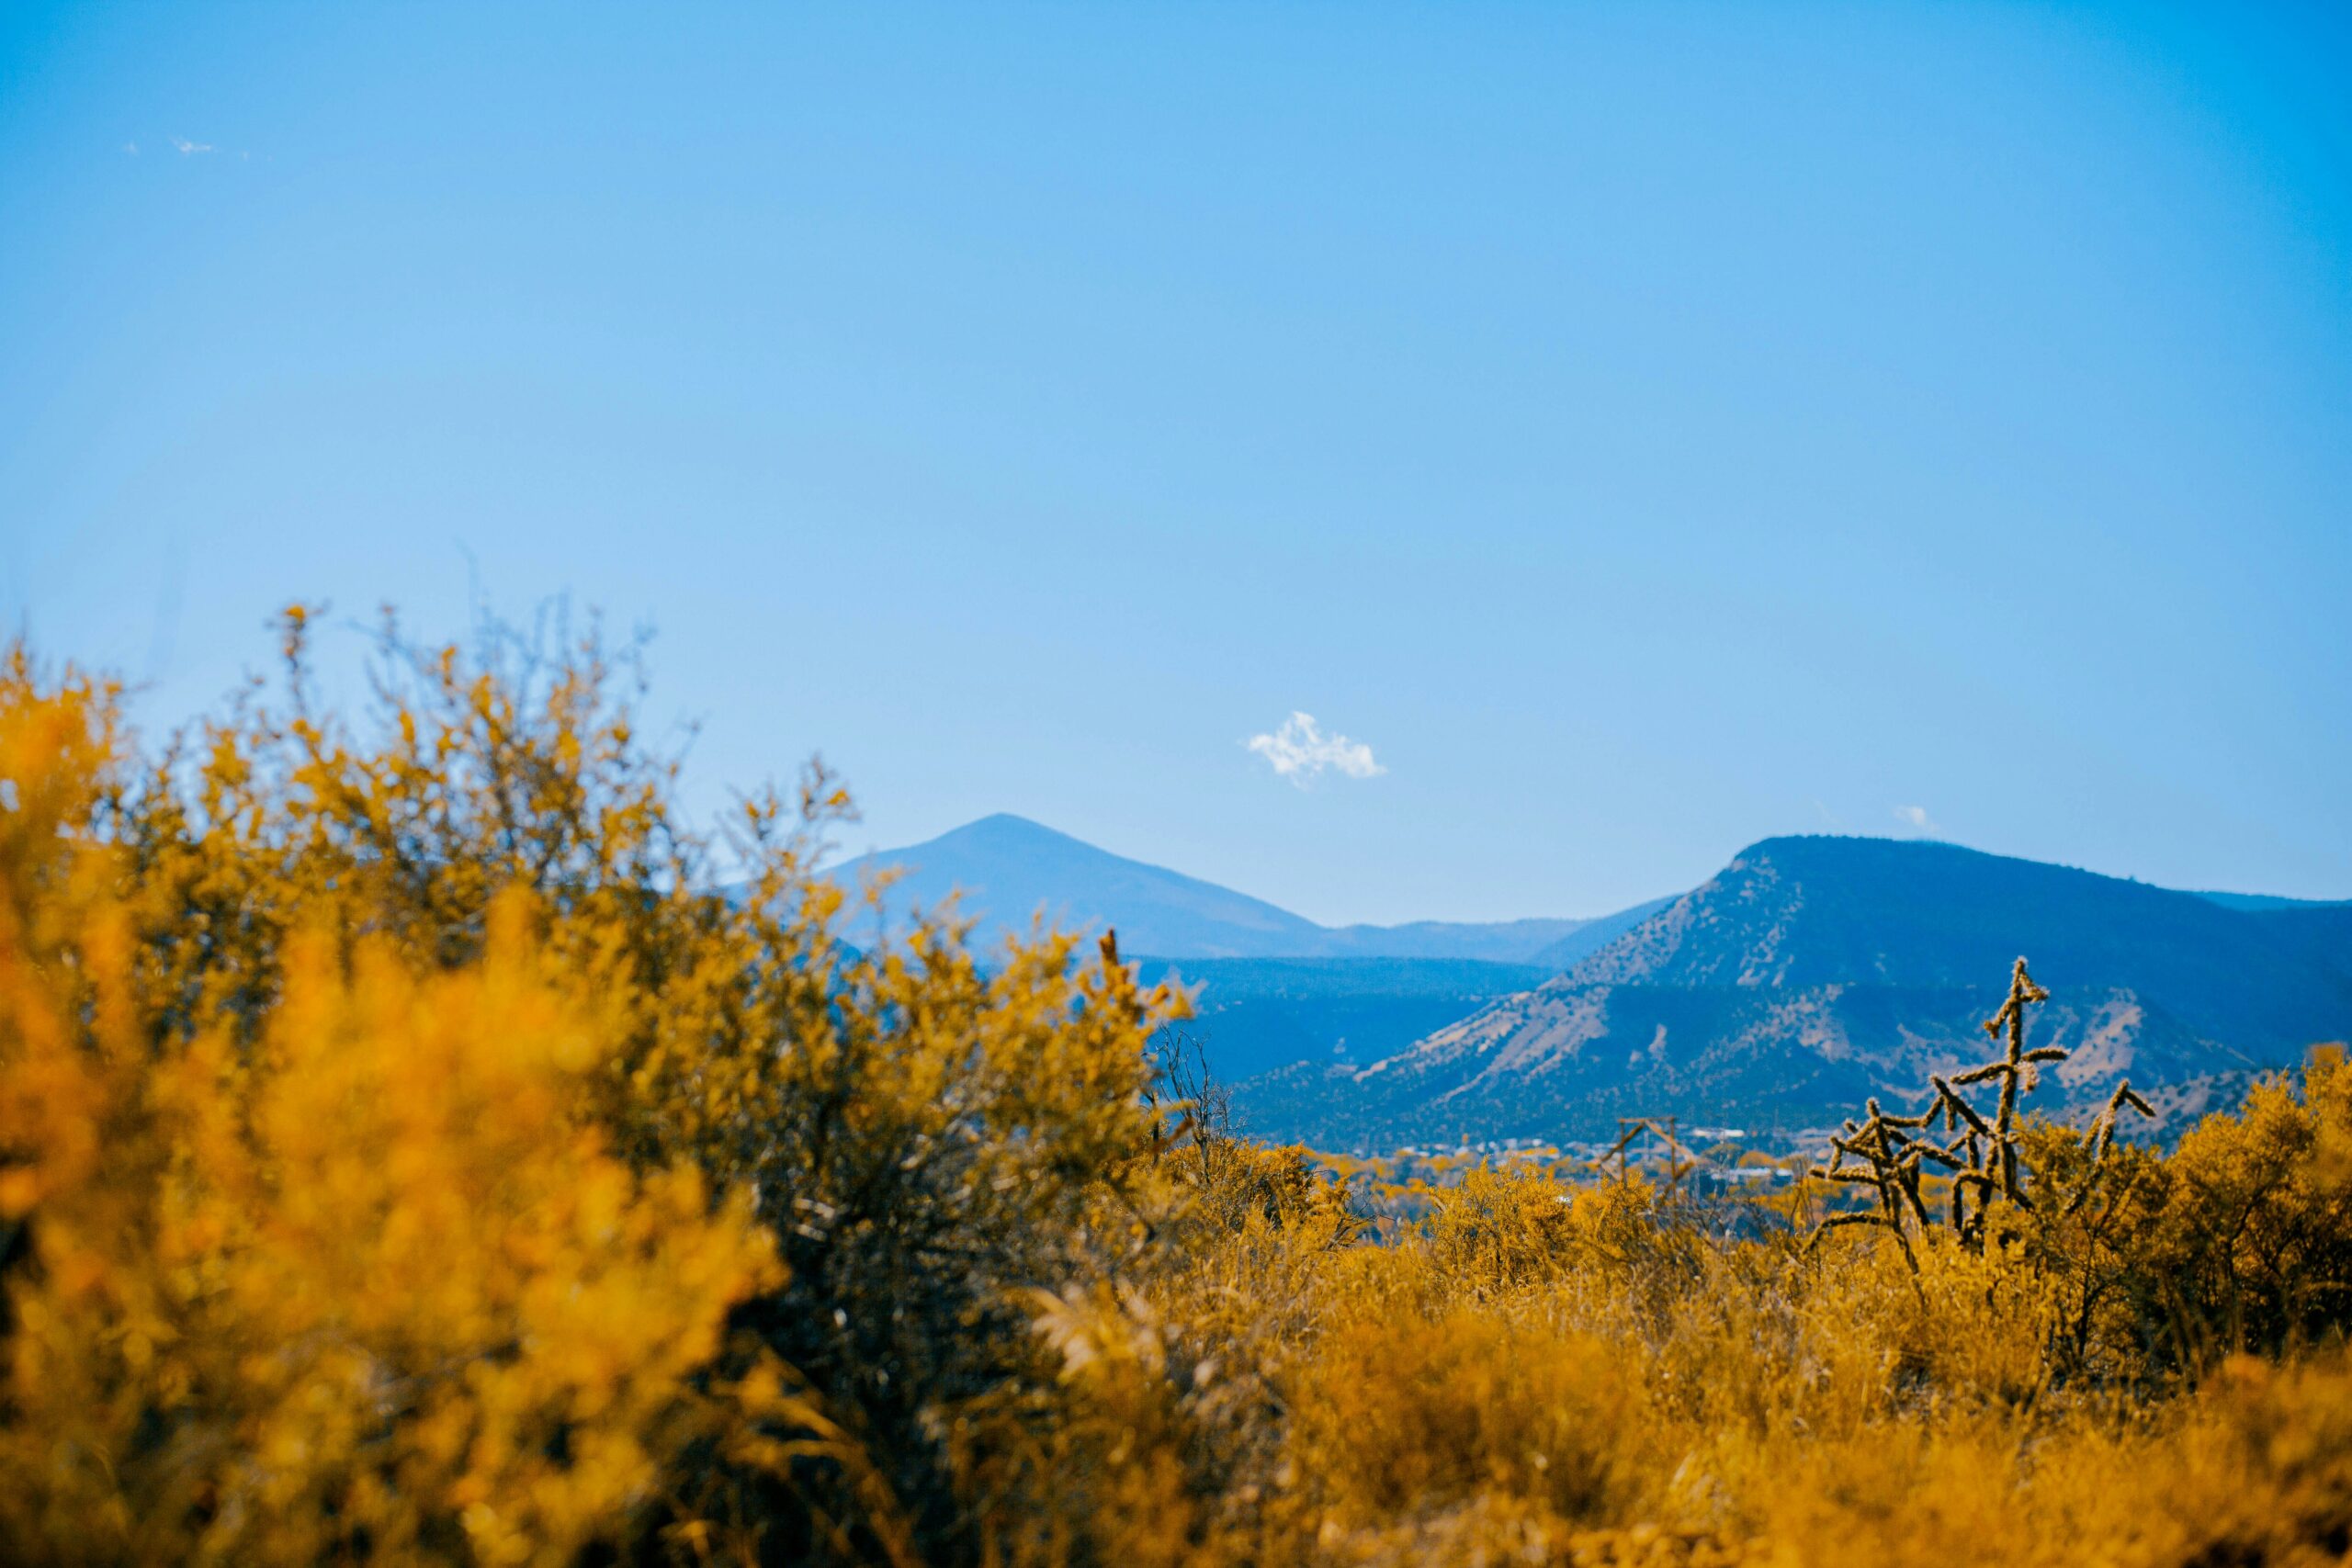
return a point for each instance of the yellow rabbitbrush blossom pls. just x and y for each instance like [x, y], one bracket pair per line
[373, 1290]
[921, 1136]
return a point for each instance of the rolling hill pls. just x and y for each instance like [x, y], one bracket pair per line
[1811, 972]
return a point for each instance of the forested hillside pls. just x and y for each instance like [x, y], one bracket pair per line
[1813, 972]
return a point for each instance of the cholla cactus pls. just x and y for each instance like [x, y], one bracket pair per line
[2010, 1069]
[1956, 1114]
[1889, 1151]
[1889, 1154]
[2124, 1094]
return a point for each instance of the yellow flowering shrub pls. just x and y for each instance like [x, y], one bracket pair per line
[417, 1144]
[625, 1206]
[373, 1287]
[1401, 1413]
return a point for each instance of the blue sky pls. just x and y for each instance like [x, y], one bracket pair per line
[1639, 429]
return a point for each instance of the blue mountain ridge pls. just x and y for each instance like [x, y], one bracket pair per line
[1006, 870]
[1813, 972]
[1864, 949]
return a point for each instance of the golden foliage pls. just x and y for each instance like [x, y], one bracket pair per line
[1400, 1413]
[372, 1287]
[409, 1154]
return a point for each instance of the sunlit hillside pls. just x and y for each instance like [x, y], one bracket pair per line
[1813, 973]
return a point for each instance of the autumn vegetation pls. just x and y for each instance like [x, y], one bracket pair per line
[421, 1144]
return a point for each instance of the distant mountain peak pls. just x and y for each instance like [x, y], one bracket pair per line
[1010, 823]
[1008, 869]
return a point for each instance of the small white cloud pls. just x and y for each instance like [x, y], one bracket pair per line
[132, 148]
[1300, 750]
[186, 147]
[1917, 816]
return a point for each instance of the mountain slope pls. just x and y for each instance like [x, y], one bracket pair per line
[1595, 934]
[1009, 869]
[2270, 901]
[1494, 942]
[1818, 910]
[1252, 1015]
[1812, 972]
